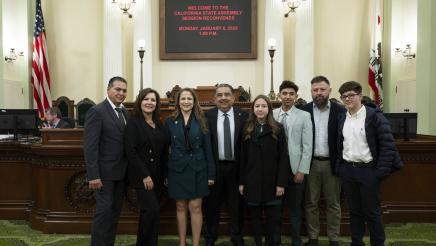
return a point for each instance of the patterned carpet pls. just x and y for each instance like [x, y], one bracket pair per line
[18, 233]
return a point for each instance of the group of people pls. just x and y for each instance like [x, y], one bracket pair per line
[256, 160]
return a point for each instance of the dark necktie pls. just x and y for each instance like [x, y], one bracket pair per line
[227, 138]
[120, 116]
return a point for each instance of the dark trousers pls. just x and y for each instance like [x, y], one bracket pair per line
[361, 188]
[225, 189]
[148, 222]
[294, 196]
[273, 223]
[109, 201]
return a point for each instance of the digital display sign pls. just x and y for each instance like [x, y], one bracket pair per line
[208, 29]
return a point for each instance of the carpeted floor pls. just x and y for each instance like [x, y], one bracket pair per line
[18, 233]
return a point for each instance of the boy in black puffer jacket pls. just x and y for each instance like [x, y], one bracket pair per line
[366, 154]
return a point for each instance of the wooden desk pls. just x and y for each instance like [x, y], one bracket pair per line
[45, 183]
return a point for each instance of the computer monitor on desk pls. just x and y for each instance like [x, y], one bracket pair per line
[19, 121]
[403, 125]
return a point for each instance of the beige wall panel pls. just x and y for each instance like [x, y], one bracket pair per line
[74, 38]
[342, 41]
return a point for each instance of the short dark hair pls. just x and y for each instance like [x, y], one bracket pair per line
[288, 84]
[224, 85]
[116, 78]
[54, 111]
[366, 100]
[350, 86]
[319, 79]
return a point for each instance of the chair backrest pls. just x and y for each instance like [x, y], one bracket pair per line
[65, 105]
[70, 121]
[81, 109]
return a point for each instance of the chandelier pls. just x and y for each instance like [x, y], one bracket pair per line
[292, 5]
[124, 5]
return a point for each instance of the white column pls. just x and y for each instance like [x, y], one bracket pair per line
[112, 43]
[304, 48]
[1, 56]
[142, 29]
[273, 29]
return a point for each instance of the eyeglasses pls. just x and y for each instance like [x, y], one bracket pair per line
[349, 96]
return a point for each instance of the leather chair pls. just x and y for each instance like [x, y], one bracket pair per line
[65, 105]
[82, 108]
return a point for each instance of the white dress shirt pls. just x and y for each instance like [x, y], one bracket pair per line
[356, 147]
[220, 132]
[321, 120]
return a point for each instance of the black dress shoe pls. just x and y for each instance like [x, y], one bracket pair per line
[312, 242]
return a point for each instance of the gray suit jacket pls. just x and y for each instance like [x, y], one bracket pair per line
[103, 143]
[300, 139]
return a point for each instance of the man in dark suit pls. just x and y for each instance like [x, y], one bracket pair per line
[105, 160]
[53, 117]
[322, 176]
[226, 124]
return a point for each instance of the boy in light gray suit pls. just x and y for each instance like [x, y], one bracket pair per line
[298, 129]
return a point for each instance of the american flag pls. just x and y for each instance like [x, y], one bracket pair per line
[40, 73]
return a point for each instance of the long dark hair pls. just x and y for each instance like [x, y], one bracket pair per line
[252, 119]
[196, 109]
[137, 111]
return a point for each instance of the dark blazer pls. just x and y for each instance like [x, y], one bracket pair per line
[240, 117]
[335, 110]
[264, 166]
[63, 124]
[103, 143]
[144, 159]
[199, 158]
[381, 142]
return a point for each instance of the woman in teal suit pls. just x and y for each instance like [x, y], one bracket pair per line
[191, 167]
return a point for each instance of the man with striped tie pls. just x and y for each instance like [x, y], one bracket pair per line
[226, 124]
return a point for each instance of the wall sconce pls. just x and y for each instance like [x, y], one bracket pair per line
[12, 56]
[292, 5]
[272, 44]
[407, 52]
[125, 5]
[141, 51]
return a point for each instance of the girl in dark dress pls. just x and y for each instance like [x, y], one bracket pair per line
[264, 170]
[191, 167]
[146, 150]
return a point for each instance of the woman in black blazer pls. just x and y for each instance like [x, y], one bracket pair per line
[264, 170]
[146, 150]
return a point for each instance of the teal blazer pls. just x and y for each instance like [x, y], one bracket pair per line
[199, 157]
